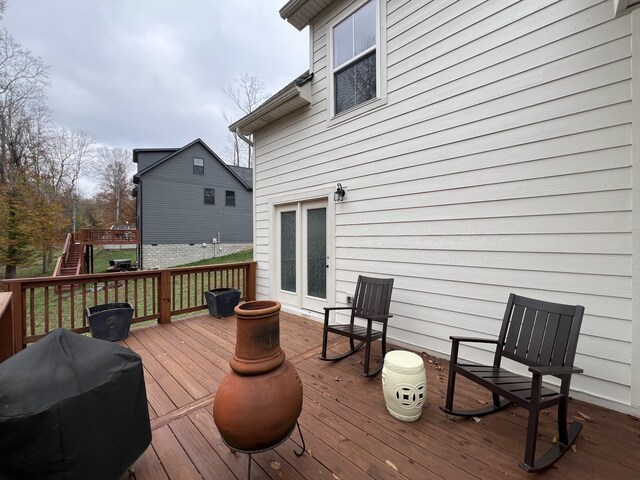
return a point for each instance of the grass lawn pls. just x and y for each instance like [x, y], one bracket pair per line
[244, 256]
[101, 262]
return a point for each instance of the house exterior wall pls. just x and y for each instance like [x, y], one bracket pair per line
[171, 199]
[146, 159]
[500, 161]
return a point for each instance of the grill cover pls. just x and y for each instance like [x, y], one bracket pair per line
[72, 407]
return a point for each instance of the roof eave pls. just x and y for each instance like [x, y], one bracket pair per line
[285, 102]
[299, 13]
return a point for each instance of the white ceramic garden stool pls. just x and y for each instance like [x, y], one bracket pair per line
[404, 384]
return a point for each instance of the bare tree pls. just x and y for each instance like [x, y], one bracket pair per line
[247, 92]
[113, 172]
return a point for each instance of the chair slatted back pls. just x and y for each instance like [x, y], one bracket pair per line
[539, 333]
[372, 296]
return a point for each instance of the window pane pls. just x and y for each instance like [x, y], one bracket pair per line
[209, 198]
[231, 198]
[288, 251]
[198, 165]
[343, 42]
[356, 84]
[364, 28]
[365, 82]
[316, 252]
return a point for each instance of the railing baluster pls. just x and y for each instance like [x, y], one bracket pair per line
[46, 309]
[32, 309]
[84, 304]
[188, 290]
[72, 305]
[135, 297]
[144, 295]
[154, 289]
[59, 294]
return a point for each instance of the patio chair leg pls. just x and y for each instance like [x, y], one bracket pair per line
[367, 356]
[563, 433]
[532, 436]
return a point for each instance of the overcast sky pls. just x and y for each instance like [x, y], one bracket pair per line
[151, 73]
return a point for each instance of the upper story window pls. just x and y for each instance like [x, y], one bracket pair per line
[355, 45]
[198, 165]
[209, 198]
[231, 198]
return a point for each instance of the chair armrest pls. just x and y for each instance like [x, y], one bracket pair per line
[327, 309]
[555, 370]
[473, 340]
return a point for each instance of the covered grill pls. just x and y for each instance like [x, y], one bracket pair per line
[72, 407]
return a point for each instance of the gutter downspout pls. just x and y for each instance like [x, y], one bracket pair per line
[244, 139]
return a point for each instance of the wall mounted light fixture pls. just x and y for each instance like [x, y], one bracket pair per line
[338, 195]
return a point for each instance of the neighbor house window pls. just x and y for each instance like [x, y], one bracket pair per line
[209, 199]
[355, 73]
[231, 198]
[198, 165]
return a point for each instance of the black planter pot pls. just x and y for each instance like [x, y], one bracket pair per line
[110, 321]
[222, 301]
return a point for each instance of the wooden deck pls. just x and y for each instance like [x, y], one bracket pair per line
[349, 434]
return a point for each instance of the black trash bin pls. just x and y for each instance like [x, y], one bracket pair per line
[110, 321]
[222, 301]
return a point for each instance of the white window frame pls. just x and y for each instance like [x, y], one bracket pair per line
[381, 65]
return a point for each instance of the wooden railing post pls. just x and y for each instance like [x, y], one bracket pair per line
[164, 296]
[6, 325]
[16, 329]
[251, 280]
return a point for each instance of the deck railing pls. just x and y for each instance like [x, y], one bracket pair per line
[107, 236]
[40, 305]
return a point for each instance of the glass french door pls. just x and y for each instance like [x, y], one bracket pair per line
[301, 254]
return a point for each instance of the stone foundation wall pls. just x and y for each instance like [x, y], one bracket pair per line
[170, 255]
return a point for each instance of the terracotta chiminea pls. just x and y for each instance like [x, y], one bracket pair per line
[259, 401]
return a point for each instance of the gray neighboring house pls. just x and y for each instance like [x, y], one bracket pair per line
[190, 205]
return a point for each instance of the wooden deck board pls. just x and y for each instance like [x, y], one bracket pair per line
[348, 432]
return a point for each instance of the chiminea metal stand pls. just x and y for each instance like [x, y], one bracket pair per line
[251, 452]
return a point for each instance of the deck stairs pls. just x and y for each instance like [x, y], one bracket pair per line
[73, 260]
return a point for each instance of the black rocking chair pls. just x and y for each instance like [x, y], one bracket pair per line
[543, 336]
[371, 303]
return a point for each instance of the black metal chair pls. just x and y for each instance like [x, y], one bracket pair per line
[371, 303]
[542, 336]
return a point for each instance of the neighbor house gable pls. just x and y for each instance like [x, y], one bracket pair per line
[242, 178]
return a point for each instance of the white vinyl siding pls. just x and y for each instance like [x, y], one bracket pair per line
[501, 162]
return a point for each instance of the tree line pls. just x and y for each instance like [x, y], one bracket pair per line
[41, 164]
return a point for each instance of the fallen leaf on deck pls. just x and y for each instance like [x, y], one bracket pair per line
[319, 375]
[309, 452]
[451, 417]
[390, 463]
[430, 361]
[483, 402]
[337, 379]
[335, 476]
[585, 417]
[574, 448]
[554, 440]
[477, 419]
[275, 465]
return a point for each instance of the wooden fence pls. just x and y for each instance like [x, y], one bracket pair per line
[39, 305]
